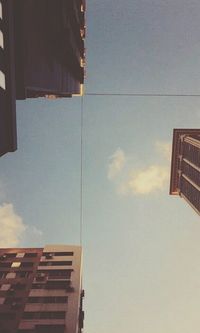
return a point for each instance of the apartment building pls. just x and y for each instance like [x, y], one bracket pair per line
[41, 290]
[185, 166]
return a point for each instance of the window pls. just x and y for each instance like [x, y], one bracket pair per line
[2, 299]
[1, 40]
[59, 274]
[48, 299]
[59, 254]
[30, 255]
[26, 264]
[20, 255]
[50, 329]
[57, 284]
[7, 315]
[23, 274]
[2, 80]
[44, 315]
[1, 15]
[11, 255]
[55, 263]
[11, 275]
[5, 286]
[19, 286]
[16, 264]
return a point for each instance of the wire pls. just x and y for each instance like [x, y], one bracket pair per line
[141, 94]
[81, 173]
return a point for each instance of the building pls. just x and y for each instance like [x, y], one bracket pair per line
[42, 54]
[185, 166]
[8, 137]
[41, 290]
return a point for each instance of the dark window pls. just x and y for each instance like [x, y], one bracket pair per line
[55, 263]
[7, 315]
[50, 299]
[59, 254]
[57, 284]
[50, 328]
[26, 264]
[19, 286]
[30, 255]
[5, 264]
[23, 274]
[11, 255]
[44, 315]
[59, 274]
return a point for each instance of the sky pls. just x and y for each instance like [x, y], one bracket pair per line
[141, 246]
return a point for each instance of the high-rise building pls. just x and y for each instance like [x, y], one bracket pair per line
[185, 166]
[42, 54]
[41, 290]
[8, 137]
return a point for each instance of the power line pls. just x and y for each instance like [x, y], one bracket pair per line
[141, 94]
[81, 171]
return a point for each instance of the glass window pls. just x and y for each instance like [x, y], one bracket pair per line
[1, 40]
[1, 15]
[2, 81]
[20, 255]
[11, 275]
[2, 299]
[5, 286]
[16, 264]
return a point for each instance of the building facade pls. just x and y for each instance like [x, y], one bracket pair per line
[8, 137]
[42, 54]
[41, 290]
[185, 166]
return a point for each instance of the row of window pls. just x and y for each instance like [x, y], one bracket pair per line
[16, 264]
[48, 299]
[190, 192]
[34, 315]
[52, 285]
[19, 255]
[45, 315]
[45, 329]
[55, 263]
[13, 275]
[59, 254]
[44, 299]
[13, 287]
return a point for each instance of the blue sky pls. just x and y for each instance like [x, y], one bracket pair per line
[141, 246]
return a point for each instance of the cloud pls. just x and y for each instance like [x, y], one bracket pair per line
[145, 181]
[13, 230]
[116, 164]
[164, 149]
[11, 226]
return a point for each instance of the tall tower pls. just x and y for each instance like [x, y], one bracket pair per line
[185, 166]
[40, 290]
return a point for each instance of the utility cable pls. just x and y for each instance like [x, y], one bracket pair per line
[141, 94]
[81, 171]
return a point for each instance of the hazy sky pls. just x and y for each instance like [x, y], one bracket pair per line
[141, 246]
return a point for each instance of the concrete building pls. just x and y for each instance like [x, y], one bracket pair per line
[8, 137]
[185, 166]
[41, 290]
[41, 55]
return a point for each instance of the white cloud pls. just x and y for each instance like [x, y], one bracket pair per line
[116, 164]
[145, 181]
[13, 230]
[164, 148]
[11, 226]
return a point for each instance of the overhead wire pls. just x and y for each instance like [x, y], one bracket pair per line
[81, 171]
[141, 94]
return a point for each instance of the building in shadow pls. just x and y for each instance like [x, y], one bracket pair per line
[185, 166]
[42, 54]
[41, 290]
